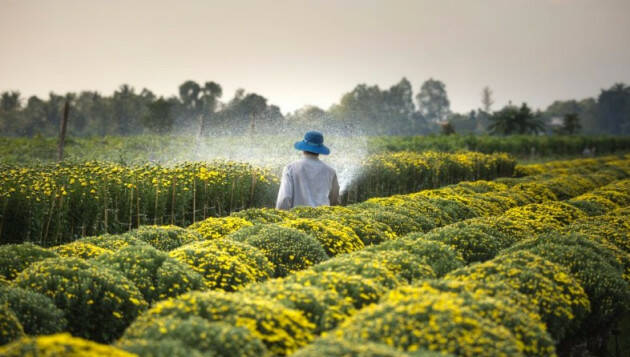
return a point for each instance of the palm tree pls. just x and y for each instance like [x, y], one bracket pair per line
[514, 120]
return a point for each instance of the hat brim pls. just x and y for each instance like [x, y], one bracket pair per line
[318, 149]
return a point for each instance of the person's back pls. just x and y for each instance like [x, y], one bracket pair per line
[308, 182]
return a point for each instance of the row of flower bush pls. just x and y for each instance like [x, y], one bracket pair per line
[153, 263]
[54, 204]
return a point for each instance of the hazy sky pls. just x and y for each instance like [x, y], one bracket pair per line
[297, 52]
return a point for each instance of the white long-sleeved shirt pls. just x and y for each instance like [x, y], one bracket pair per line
[308, 182]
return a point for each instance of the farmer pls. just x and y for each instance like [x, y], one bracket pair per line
[308, 182]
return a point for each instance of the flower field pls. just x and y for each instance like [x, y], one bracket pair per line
[54, 204]
[537, 265]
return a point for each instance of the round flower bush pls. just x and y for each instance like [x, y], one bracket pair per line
[195, 333]
[368, 230]
[403, 265]
[165, 237]
[441, 257]
[36, 312]
[333, 236]
[154, 273]
[595, 268]
[524, 325]
[79, 250]
[613, 229]
[400, 224]
[366, 265]
[558, 297]
[254, 257]
[217, 228]
[219, 269]
[622, 211]
[113, 242]
[324, 308]
[16, 257]
[617, 196]
[316, 212]
[287, 248]
[472, 243]
[264, 215]
[62, 344]
[590, 207]
[282, 330]
[161, 348]
[435, 321]
[537, 192]
[98, 303]
[338, 347]
[10, 327]
[359, 290]
[541, 217]
[425, 214]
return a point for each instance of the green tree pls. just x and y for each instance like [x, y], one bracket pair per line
[433, 101]
[570, 124]
[200, 103]
[515, 120]
[614, 109]
[159, 116]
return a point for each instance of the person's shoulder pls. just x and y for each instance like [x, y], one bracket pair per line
[328, 167]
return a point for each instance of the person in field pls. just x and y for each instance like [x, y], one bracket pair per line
[309, 181]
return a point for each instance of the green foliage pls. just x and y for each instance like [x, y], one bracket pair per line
[361, 291]
[16, 257]
[324, 308]
[217, 228]
[113, 242]
[263, 215]
[153, 272]
[370, 231]
[441, 257]
[199, 335]
[287, 248]
[514, 120]
[36, 312]
[98, 303]
[165, 237]
[10, 327]
[161, 348]
[612, 229]
[282, 330]
[399, 223]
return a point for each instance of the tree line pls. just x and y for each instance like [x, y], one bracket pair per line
[367, 110]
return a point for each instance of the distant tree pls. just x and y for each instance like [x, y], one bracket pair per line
[447, 129]
[486, 99]
[614, 109]
[433, 101]
[199, 102]
[10, 101]
[309, 117]
[159, 117]
[515, 120]
[570, 125]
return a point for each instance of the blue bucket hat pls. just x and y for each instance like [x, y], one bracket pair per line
[313, 142]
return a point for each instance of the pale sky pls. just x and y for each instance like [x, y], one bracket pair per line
[298, 52]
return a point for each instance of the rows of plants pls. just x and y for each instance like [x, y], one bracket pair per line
[517, 145]
[58, 203]
[358, 273]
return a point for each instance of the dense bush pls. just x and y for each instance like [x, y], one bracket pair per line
[542, 217]
[594, 267]
[98, 303]
[368, 266]
[338, 347]
[282, 330]
[79, 250]
[154, 273]
[558, 297]
[400, 224]
[36, 312]
[370, 231]
[441, 257]
[165, 237]
[472, 243]
[334, 237]
[264, 215]
[499, 308]
[198, 334]
[59, 345]
[216, 228]
[287, 248]
[436, 321]
[359, 290]
[613, 229]
[113, 242]
[324, 308]
[161, 348]
[16, 257]
[220, 270]
[10, 327]
[316, 212]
